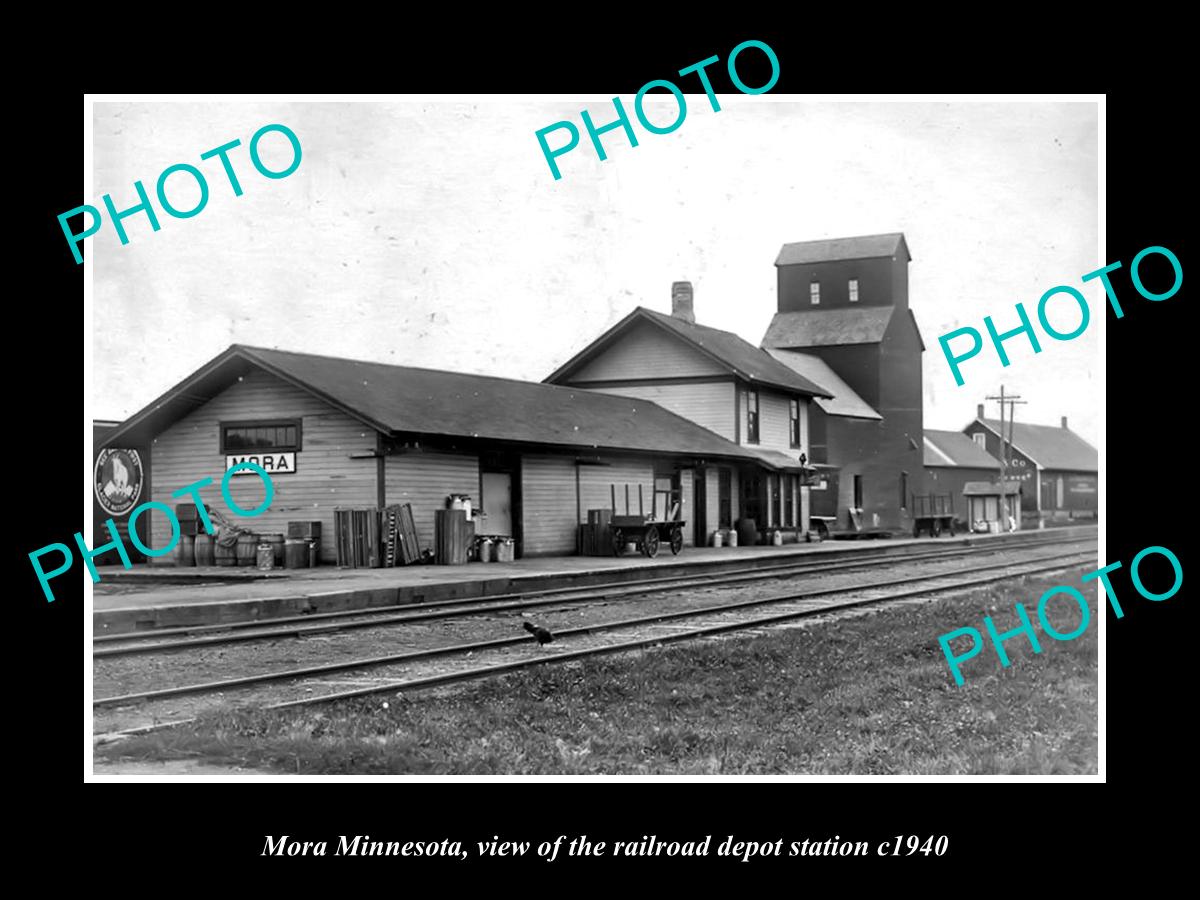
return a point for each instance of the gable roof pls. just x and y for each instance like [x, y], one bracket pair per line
[844, 402]
[828, 327]
[734, 353]
[1050, 446]
[953, 448]
[403, 399]
[869, 246]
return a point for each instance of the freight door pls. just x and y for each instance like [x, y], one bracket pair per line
[497, 502]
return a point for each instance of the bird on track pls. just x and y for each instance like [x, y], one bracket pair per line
[543, 636]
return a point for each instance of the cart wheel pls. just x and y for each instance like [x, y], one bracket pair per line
[916, 529]
[936, 528]
[676, 540]
[650, 542]
[618, 542]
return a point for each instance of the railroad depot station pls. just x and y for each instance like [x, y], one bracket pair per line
[818, 433]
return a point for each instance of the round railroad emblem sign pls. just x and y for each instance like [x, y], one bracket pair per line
[118, 480]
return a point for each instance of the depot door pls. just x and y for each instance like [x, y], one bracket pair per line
[497, 502]
[700, 507]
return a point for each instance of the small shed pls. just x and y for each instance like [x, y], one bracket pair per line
[984, 512]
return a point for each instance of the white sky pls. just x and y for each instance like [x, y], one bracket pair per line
[433, 234]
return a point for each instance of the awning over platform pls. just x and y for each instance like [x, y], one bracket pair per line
[777, 461]
[990, 488]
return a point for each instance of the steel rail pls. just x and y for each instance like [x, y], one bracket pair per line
[567, 656]
[455, 649]
[469, 607]
[863, 557]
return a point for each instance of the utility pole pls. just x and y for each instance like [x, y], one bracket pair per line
[1011, 401]
[1012, 414]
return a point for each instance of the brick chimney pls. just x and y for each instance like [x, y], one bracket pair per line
[979, 410]
[681, 301]
[1064, 418]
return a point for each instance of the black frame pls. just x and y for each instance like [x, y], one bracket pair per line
[263, 423]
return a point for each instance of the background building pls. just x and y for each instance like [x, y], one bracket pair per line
[845, 302]
[952, 462]
[1057, 469]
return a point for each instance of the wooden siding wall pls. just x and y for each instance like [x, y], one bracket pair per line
[425, 480]
[549, 499]
[774, 428]
[548, 505]
[594, 484]
[646, 351]
[708, 404]
[325, 475]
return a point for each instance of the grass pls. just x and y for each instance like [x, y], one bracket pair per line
[866, 695]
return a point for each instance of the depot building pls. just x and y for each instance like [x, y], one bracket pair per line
[338, 433]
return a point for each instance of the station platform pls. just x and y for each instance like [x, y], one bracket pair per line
[138, 599]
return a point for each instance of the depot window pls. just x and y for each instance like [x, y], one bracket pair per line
[814, 292]
[724, 499]
[794, 422]
[752, 417]
[853, 290]
[272, 434]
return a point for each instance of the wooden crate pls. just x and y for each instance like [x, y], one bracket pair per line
[305, 531]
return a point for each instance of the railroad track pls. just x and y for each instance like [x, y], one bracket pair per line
[324, 623]
[482, 659]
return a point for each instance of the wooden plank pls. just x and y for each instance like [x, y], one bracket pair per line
[411, 547]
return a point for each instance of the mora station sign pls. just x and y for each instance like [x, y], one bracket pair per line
[283, 463]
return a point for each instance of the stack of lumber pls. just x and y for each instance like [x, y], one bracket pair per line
[370, 538]
[358, 538]
[400, 544]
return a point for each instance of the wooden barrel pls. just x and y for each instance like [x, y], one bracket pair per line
[747, 532]
[276, 542]
[295, 554]
[204, 550]
[185, 551]
[224, 556]
[247, 549]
